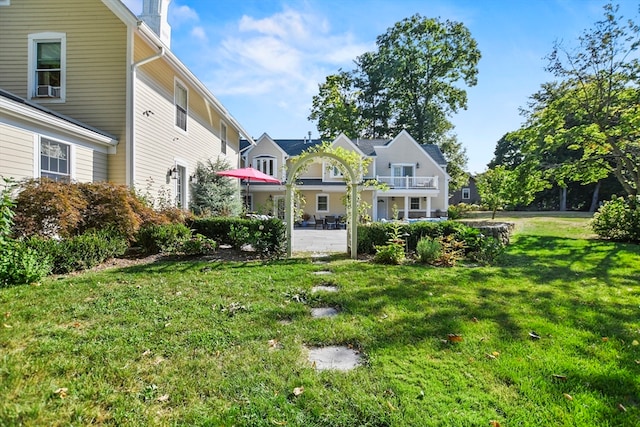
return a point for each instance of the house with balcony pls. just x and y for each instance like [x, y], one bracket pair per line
[92, 92]
[414, 174]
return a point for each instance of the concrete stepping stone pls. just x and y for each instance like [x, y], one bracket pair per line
[321, 312]
[338, 358]
[324, 288]
[322, 272]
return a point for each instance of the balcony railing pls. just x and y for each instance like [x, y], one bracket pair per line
[417, 182]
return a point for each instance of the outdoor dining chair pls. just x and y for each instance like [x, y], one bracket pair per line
[319, 222]
[331, 221]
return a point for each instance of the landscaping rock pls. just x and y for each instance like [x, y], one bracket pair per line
[321, 312]
[501, 231]
[338, 358]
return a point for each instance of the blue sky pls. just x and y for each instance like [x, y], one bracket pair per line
[264, 59]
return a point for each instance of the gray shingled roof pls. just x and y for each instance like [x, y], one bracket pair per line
[294, 147]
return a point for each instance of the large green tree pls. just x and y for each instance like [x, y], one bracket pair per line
[596, 110]
[415, 80]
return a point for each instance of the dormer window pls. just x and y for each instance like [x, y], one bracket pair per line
[265, 164]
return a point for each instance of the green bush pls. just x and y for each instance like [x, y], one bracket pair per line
[167, 238]
[267, 236]
[79, 252]
[20, 264]
[618, 219]
[198, 245]
[393, 251]
[428, 250]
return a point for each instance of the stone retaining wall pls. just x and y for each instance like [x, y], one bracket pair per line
[499, 230]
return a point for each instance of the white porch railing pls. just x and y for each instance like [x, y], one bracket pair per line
[426, 182]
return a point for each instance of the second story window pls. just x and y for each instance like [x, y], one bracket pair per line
[47, 66]
[265, 164]
[181, 102]
[223, 138]
[466, 193]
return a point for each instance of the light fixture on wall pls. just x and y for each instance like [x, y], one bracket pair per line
[193, 179]
[417, 165]
[393, 198]
[389, 165]
[270, 198]
[173, 172]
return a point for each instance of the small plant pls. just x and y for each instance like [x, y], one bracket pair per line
[452, 251]
[239, 235]
[428, 250]
[198, 245]
[393, 251]
[487, 252]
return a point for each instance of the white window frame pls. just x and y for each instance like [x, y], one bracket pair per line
[38, 140]
[318, 196]
[259, 163]
[32, 52]
[223, 137]
[466, 193]
[335, 172]
[177, 109]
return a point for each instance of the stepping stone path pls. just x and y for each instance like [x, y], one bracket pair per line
[340, 358]
[322, 272]
[324, 288]
[321, 312]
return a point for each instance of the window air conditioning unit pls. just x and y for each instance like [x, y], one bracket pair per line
[48, 91]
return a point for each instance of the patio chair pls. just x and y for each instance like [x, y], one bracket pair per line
[319, 222]
[331, 222]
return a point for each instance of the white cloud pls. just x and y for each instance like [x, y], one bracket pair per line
[179, 15]
[199, 33]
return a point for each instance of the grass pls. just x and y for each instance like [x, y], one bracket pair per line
[206, 343]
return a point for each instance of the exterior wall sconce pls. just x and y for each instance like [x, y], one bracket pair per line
[173, 172]
[393, 198]
[193, 179]
[417, 165]
[389, 165]
[270, 198]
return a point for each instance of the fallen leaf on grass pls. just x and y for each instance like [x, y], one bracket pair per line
[474, 320]
[8, 326]
[391, 406]
[279, 423]
[7, 315]
[163, 398]
[621, 407]
[560, 377]
[605, 339]
[494, 423]
[273, 344]
[298, 391]
[635, 342]
[454, 338]
[490, 356]
[146, 352]
[534, 335]
[61, 392]
[567, 396]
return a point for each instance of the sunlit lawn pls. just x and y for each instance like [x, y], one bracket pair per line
[209, 343]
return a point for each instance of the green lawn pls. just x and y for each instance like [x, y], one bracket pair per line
[207, 343]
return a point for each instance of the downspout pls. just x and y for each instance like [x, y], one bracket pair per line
[131, 170]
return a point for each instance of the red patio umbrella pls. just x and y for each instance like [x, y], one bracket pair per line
[249, 174]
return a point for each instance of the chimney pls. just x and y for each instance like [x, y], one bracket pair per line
[154, 14]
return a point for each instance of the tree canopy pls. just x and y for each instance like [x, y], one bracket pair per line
[414, 80]
[585, 126]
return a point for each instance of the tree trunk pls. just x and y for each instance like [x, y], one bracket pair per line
[563, 199]
[594, 198]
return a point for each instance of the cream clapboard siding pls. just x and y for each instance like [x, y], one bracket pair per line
[96, 62]
[91, 165]
[19, 143]
[159, 144]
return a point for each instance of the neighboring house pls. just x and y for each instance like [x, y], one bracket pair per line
[92, 92]
[467, 194]
[416, 176]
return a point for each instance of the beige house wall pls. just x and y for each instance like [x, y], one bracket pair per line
[96, 62]
[19, 142]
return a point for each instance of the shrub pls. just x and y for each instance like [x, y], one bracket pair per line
[428, 250]
[57, 209]
[239, 235]
[20, 264]
[269, 237]
[167, 238]
[79, 252]
[452, 251]
[618, 219]
[487, 251]
[198, 245]
[393, 251]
